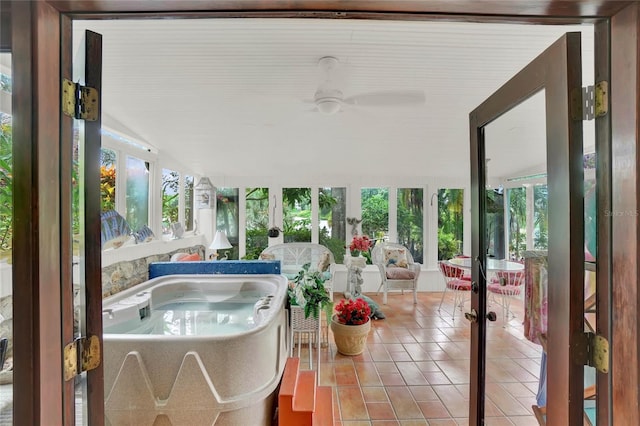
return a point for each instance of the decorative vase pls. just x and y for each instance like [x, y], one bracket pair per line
[350, 339]
[355, 253]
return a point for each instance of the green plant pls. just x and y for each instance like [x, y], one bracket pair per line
[6, 184]
[309, 293]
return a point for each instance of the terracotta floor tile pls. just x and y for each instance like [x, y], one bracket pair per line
[346, 375]
[442, 422]
[423, 393]
[386, 367]
[392, 379]
[403, 403]
[524, 420]
[380, 411]
[411, 373]
[374, 394]
[433, 410]
[367, 374]
[436, 378]
[352, 405]
[426, 366]
[452, 399]
[416, 352]
[415, 369]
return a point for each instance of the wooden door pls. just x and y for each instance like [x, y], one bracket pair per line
[557, 73]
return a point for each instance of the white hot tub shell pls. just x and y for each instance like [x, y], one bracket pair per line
[226, 379]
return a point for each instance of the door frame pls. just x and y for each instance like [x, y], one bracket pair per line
[557, 71]
[35, 34]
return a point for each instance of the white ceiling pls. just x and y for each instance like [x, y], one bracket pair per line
[232, 97]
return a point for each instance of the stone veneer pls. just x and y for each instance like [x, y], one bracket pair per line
[126, 274]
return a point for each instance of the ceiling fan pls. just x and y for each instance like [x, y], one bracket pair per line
[329, 99]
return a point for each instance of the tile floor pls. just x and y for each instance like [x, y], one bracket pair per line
[415, 370]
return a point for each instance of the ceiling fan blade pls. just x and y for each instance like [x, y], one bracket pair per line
[388, 98]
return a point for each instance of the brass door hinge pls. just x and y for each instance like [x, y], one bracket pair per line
[83, 354]
[590, 102]
[593, 350]
[79, 101]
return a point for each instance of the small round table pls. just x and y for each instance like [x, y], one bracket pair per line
[491, 264]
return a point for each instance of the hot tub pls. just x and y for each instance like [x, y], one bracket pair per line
[195, 350]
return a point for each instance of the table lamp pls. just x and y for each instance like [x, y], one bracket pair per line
[220, 241]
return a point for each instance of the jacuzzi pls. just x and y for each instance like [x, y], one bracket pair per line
[195, 350]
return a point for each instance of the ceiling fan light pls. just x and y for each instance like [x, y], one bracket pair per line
[328, 106]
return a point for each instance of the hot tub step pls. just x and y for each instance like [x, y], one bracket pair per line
[305, 395]
[323, 414]
[300, 401]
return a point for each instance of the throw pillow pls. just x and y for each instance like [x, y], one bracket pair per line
[267, 256]
[189, 258]
[324, 262]
[400, 274]
[395, 257]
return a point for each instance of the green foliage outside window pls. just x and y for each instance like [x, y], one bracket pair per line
[170, 194]
[450, 222]
[375, 212]
[6, 185]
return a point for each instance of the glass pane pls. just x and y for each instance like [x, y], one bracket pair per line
[227, 217]
[296, 213]
[495, 222]
[137, 192]
[375, 212]
[170, 197]
[188, 203]
[450, 222]
[517, 222]
[6, 240]
[515, 150]
[108, 179]
[332, 230]
[257, 221]
[540, 217]
[410, 225]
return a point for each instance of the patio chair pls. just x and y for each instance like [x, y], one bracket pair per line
[453, 281]
[397, 269]
[506, 285]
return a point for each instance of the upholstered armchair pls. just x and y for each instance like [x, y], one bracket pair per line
[397, 269]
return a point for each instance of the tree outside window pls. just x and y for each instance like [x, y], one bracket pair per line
[450, 222]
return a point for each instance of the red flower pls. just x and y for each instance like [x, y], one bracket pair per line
[360, 243]
[352, 311]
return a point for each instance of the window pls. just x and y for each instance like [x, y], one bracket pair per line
[450, 222]
[296, 213]
[540, 217]
[410, 221]
[332, 220]
[227, 217]
[495, 223]
[257, 221]
[375, 212]
[188, 203]
[108, 179]
[517, 220]
[137, 192]
[170, 199]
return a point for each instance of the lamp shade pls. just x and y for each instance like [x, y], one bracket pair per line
[220, 241]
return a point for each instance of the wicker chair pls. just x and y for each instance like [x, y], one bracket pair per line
[397, 269]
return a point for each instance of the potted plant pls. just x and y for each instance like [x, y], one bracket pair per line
[350, 325]
[360, 245]
[308, 292]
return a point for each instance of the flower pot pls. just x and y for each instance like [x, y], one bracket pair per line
[350, 339]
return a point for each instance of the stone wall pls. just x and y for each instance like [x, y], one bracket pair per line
[126, 274]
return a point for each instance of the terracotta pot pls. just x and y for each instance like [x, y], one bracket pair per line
[350, 339]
